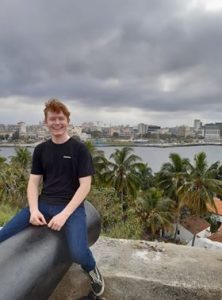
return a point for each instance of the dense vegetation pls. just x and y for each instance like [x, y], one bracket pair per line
[133, 202]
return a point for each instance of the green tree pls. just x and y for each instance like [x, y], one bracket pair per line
[121, 175]
[13, 184]
[144, 173]
[172, 174]
[2, 160]
[22, 158]
[155, 211]
[14, 178]
[171, 178]
[100, 163]
[108, 205]
[201, 186]
[6, 213]
[91, 147]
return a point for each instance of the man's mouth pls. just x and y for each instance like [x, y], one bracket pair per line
[57, 128]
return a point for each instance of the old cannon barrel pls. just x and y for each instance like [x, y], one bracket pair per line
[33, 261]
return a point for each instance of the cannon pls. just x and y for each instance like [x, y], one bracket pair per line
[34, 261]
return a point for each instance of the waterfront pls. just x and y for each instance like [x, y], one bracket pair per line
[154, 156]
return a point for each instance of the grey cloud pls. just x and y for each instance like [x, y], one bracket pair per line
[72, 48]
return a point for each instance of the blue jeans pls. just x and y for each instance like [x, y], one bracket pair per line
[75, 231]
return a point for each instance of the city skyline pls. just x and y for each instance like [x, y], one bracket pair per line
[118, 62]
[103, 124]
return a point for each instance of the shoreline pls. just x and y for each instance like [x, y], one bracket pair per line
[17, 145]
[156, 145]
[123, 145]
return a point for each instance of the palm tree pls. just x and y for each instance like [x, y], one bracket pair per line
[100, 163]
[2, 160]
[201, 186]
[171, 175]
[22, 158]
[144, 173]
[156, 211]
[121, 174]
[91, 147]
[170, 178]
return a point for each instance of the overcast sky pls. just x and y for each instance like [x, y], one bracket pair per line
[113, 61]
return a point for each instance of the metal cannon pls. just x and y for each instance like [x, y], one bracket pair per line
[34, 261]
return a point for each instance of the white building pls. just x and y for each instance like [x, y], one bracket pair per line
[213, 132]
[197, 125]
[22, 129]
[142, 128]
[192, 228]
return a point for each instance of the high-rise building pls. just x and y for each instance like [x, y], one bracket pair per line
[213, 132]
[22, 129]
[142, 128]
[197, 125]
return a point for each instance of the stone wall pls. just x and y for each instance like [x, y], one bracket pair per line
[148, 270]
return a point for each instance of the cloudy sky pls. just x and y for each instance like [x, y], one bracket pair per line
[117, 62]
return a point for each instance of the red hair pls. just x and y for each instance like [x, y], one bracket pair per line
[56, 106]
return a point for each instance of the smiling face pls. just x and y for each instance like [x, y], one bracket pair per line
[57, 123]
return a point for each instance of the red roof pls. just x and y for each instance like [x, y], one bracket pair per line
[220, 228]
[216, 237]
[218, 204]
[194, 224]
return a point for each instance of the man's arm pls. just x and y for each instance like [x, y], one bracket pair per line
[36, 217]
[59, 220]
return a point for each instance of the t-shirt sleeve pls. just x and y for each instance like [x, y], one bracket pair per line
[37, 168]
[85, 163]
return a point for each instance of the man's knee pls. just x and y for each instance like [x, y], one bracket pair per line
[78, 256]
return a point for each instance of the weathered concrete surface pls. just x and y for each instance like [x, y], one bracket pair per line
[148, 270]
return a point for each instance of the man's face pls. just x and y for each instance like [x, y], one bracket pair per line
[57, 123]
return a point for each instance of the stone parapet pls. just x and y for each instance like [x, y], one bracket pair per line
[148, 270]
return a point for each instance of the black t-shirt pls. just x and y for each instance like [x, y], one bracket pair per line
[61, 166]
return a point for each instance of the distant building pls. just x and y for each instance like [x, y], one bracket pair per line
[85, 136]
[114, 131]
[164, 131]
[22, 129]
[193, 227]
[213, 132]
[184, 131]
[153, 128]
[197, 125]
[142, 128]
[76, 130]
[126, 131]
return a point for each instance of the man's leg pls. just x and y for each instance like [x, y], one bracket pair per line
[19, 222]
[76, 235]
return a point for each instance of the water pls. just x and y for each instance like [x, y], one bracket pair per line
[154, 156]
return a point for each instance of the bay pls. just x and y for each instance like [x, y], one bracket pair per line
[154, 156]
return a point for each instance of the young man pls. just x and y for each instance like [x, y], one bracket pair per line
[65, 167]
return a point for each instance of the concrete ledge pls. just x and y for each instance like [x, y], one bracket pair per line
[148, 270]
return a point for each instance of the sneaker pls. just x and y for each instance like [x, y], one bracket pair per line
[97, 282]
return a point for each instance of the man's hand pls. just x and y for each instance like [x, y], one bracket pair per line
[37, 218]
[58, 221]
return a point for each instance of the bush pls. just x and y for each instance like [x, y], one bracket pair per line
[6, 213]
[130, 229]
[108, 205]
